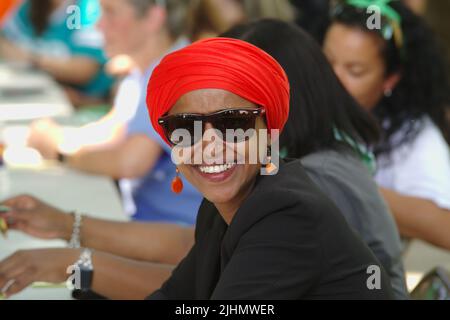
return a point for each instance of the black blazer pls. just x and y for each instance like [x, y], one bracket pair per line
[286, 241]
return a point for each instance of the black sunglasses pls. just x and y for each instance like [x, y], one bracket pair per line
[223, 120]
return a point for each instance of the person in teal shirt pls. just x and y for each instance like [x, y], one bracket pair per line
[60, 38]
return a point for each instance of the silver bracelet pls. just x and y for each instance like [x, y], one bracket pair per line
[82, 273]
[85, 259]
[75, 241]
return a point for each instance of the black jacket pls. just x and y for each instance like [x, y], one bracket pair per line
[286, 241]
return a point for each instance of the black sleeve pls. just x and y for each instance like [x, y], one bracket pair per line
[181, 284]
[278, 258]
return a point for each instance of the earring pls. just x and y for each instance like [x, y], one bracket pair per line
[270, 166]
[388, 93]
[177, 183]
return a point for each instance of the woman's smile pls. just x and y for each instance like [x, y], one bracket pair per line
[215, 173]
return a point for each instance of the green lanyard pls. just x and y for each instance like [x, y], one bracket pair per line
[365, 155]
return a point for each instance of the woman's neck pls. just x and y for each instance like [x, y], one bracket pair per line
[228, 209]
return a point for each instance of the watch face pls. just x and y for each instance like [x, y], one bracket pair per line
[85, 281]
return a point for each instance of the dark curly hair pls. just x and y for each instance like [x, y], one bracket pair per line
[423, 88]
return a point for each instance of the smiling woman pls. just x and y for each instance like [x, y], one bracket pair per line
[240, 251]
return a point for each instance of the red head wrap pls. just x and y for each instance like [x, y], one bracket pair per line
[220, 63]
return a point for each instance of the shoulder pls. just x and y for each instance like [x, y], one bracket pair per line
[334, 165]
[287, 199]
[339, 173]
[428, 143]
[426, 157]
[348, 183]
[420, 168]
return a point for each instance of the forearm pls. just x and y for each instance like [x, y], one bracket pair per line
[105, 162]
[132, 158]
[155, 242]
[419, 218]
[103, 134]
[120, 278]
[75, 71]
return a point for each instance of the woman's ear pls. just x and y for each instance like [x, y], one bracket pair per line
[391, 82]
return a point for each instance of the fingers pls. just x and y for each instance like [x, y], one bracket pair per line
[16, 285]
[18, 209]
[6, 287]
[17, 221]
[15, 274]
[22, 202]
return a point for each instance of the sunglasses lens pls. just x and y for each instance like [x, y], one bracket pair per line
[180, 131]
[234, 127]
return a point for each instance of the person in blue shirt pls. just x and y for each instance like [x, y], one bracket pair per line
[122, 145]
[59, 37]
[152, 194]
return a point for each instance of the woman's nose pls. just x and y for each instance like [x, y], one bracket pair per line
[210, 135]
[213, 140]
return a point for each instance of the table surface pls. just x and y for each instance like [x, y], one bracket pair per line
[26, 95]
[65, 189]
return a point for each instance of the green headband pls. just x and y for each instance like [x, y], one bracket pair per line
[385, 9]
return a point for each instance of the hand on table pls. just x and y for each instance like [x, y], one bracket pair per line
[25, 267]
[45, 136]
[37, 218]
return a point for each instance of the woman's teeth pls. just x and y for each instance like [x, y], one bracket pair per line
[216, 168]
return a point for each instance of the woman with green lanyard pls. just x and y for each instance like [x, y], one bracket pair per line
[398, 74]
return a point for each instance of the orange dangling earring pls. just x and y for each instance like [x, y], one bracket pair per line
[177, 183]
[270, 166]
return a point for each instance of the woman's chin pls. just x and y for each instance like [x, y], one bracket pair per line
[218, 184]
[222, 193]
[217, 197]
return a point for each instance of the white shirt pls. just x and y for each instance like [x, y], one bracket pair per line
[420, 168]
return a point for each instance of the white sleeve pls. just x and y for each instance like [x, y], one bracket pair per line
[423, 168]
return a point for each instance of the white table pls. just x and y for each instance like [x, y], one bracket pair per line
[48, 101]
[65, 189]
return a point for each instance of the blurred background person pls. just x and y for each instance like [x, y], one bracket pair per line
[398, 74]
[209, 18]
[39, 33]
[130, 151]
